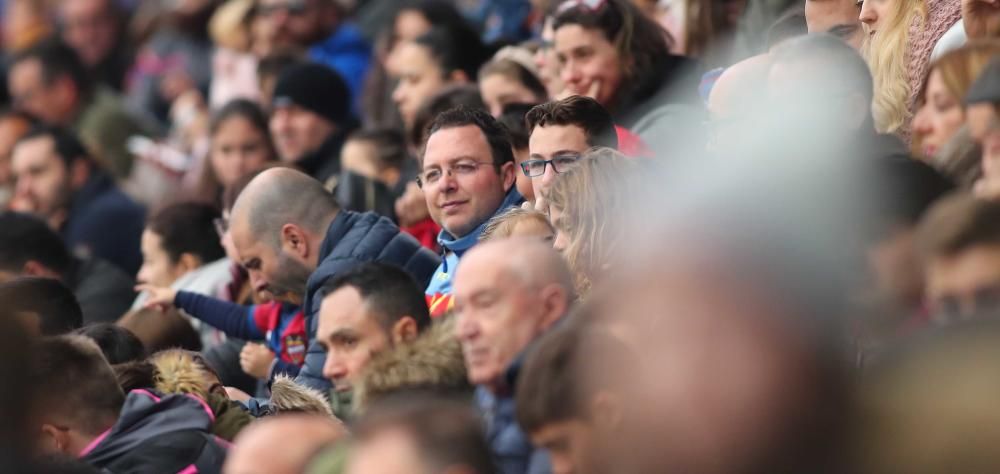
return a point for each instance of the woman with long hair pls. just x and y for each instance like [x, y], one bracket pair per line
[940, 104]
[240, 144]
[610, 51]
[586, 205]
[901, 36]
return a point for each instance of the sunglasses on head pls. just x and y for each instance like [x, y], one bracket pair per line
[592, 5]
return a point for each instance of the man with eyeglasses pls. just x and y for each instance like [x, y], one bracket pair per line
[467, 175]
[318, 28]
[560, 131]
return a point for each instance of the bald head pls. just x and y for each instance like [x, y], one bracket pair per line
[282, 444]
[507, 293]
[738, 88]
[282, 196]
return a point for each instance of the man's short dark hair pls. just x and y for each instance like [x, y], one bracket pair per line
[188, 228]
[495, 133]
[389, 291]
[56, 306]
[74, 382]
[550, 387]
[446, 99]
[25, 238]
[57, 60]
[580, 111]
[118, 344]
[446, 432]
[68, 145]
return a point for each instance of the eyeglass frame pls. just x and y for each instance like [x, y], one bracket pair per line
[546, 163]
[421, 181]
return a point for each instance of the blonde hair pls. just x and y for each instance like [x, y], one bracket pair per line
[887, 56]
[591, 198]
[502, 226]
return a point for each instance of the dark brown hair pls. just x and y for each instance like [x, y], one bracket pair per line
[580, 111]
[957, 223]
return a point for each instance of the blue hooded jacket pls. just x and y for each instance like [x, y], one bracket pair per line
[351, 240]
[439, 289]
[346, 52]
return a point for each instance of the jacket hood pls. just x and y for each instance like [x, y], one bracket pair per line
[146, 415]
[459, 245]
[287, 396]
[432, 362]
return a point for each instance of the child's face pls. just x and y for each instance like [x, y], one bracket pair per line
[533, 229]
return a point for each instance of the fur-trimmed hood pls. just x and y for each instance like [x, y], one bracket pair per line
[287, 396]
[432, 362]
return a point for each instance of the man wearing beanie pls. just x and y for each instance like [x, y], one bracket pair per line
[310, 118]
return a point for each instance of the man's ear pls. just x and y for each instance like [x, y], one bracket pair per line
[606, 410]
[508, 173]
[295, 241]
[54, 439]
[554, 304]
[36, 269]
[405, 330]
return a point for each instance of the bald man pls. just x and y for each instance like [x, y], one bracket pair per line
[507, 294]
[282, 444]
[737, 97]
[292, 237]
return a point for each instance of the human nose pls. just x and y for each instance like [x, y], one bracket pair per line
[868, 15]
[333, 369]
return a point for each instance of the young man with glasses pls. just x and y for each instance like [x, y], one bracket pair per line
[560, 131]
[467, 175]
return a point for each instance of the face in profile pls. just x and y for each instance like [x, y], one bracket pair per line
[350, 334]
[939, 118]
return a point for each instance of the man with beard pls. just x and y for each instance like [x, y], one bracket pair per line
[292, 237]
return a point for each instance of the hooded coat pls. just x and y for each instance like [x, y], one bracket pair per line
[159, 434]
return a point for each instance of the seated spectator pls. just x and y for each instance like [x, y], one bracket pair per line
[420, 434]
[380, 155]
[560, 132]
[509, 79]
[50, 82]
[13, 126]
[181, 250]
[940, 109]
[520, 223]
[81, 411]
[584, 204]
[322, 29]
[467, 175]
[563, 410]
[365, 311]
[28, 247]
[96, 31]
[983, 108]
[507, 294]
[282, 445]
[959, 242]
[836, 17]
[282, 327]
[292, 236]
[59, 181]
[438, 58]
[44, 305]
[513, 118]
[118, 344]
[431, 363]
[241, 143]
[159, 330]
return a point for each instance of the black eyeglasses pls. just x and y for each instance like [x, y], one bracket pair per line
[561, 164]
[293, 8]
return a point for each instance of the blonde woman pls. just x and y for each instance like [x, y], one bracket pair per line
[941, 109]
[586, 205]
[901, 36]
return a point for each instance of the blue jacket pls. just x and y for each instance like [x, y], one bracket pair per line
[354, 239]
[511, 448]
[439, 290]
[103, 222]
[346, 52]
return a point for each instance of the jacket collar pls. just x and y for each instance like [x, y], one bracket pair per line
[323, 162]
[335, 232]
[460, 245]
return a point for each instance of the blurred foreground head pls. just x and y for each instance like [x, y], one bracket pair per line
[282, 444]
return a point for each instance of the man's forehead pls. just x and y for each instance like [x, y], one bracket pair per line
[450, 144]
